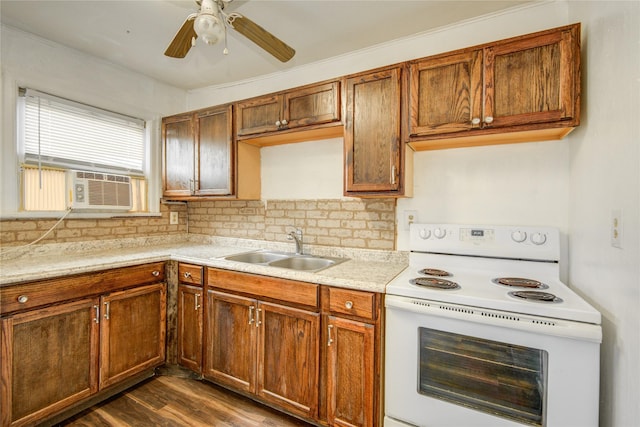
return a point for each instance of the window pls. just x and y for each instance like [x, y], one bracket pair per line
[57, 135]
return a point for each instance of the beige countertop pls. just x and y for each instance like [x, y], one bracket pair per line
[365, 269]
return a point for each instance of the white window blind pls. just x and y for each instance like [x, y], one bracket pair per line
[64, 133]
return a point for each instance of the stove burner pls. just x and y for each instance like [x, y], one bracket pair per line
[535, 296]
[434, 272]
[435, 283]
[518, 282]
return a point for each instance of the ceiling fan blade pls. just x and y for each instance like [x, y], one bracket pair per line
[261, 37]
[181, 42]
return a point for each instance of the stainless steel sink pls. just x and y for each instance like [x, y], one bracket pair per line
[257, 257]
[286, 260]
[305, 263]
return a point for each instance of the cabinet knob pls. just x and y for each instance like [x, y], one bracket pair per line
[187, 274]
[155, 273]
[349, 305]
[278, 123]
[488, 119]
[23, 299]
[475, 121]
[284, 122]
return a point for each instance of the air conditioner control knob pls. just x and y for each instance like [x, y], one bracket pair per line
[424, 233]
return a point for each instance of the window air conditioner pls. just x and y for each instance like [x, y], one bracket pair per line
[95, 190]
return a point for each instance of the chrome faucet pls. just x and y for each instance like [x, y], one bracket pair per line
[297, 236]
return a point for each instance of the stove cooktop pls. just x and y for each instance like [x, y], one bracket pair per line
[476, 257]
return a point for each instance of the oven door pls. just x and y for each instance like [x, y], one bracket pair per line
[448, 365]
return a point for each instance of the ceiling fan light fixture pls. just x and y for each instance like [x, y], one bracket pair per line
[208, 28]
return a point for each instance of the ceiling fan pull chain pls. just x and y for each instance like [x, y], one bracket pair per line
[226, 50]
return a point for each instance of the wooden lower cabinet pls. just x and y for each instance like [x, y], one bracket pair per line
[56, 353]
[49, 360]
[132, 332]
[265, 349]
[350, 373]
[309, 350]
[190, 318]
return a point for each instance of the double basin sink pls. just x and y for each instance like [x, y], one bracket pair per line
[290, 261]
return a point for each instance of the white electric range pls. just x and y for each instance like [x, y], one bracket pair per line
[481, 331]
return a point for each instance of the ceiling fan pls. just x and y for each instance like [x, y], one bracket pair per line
[210, 24]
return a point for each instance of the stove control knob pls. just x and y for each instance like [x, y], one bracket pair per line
[538, 238]
[519, 236]
[424, 233]
[439, 233]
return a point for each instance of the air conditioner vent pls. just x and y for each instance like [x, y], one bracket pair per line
[94, 190]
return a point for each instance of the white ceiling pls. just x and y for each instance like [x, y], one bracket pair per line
[135, 33]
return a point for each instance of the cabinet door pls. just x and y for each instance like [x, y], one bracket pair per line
[288, 358]
[132, 332]
[190, 327]
[49, 360]
[230, 340]
[372, 133]
[258, 115]
[532, 80]
[445, 94]
[312, 105]
[215, 161]
[179, 155]
[350, 373]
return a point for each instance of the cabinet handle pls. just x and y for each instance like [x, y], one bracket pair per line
[155, 273]
[393, 175]
[258, 321]
[97, 318]
[488, 120]
[251, 308]
[349, 305]
[187, 274]
[284, 122]
[278, 123]
[330, 340]
[107, 310]
[197, 306]
[23, 299]
[475, 121]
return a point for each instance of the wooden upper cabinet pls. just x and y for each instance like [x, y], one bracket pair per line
[446, 94]
[521, 89]
[215, 166]
[373, 151]
[533, 79]
[286, 111]
[199, 154]
[178, 155]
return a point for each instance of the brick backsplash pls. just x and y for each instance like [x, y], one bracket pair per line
[352, 223]
[16, 232]
[366, 223]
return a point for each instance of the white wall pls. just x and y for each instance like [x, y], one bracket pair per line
[605, 175]
[571, 184]
[30, 61]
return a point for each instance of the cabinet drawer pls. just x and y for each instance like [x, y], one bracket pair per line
[45, 292]
[355, 303]
[265, 287]
[189, 273]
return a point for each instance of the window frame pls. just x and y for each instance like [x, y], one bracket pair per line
[10, 162]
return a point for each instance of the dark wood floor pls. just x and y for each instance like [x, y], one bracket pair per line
[178, 401]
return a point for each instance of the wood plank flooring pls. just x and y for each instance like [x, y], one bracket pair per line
[176, 401]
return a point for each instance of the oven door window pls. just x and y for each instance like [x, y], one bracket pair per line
[501, 379]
